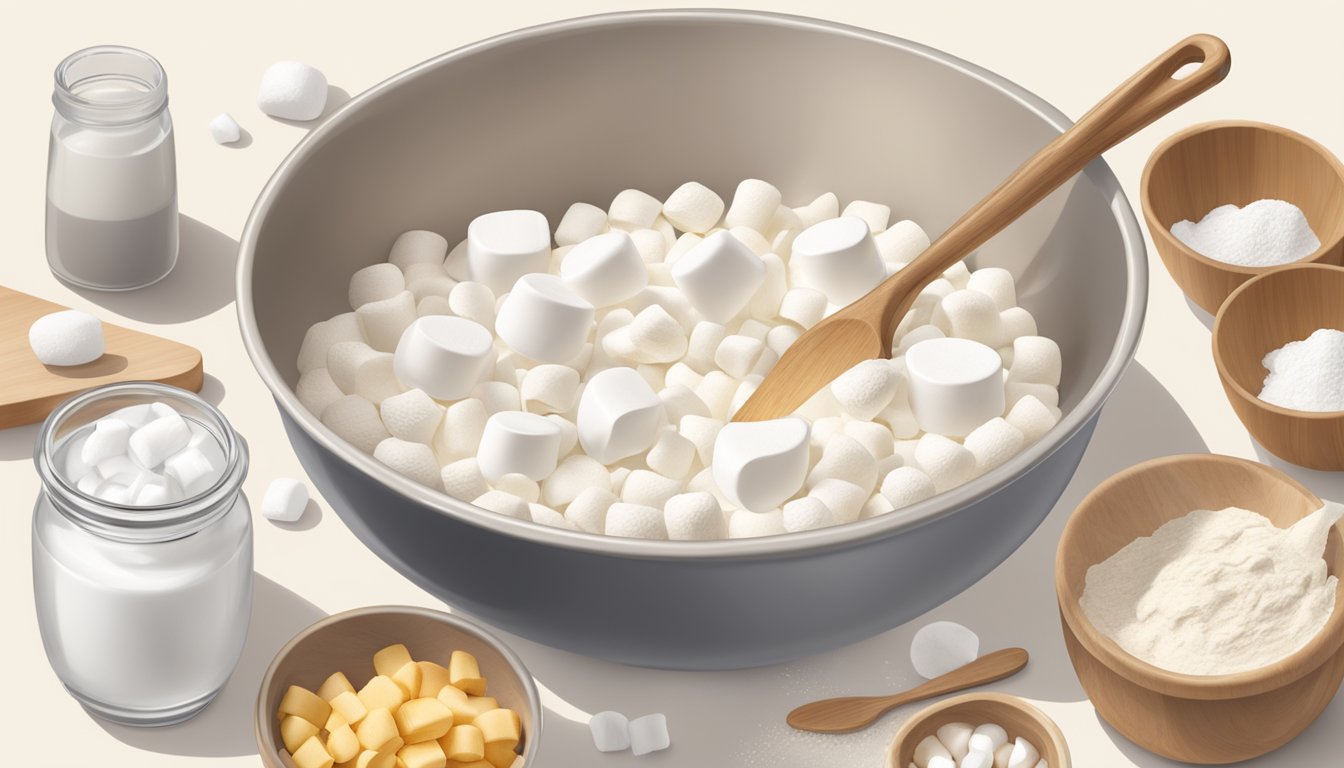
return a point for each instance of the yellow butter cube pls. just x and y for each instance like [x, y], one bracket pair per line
[390, 659]
[370, 759]
[381, 692]
[426, 754]
[311, 754]
[423, 719]
[336, 684]
[432, 679]
[305, 704]
[465, 673]
[500, 755]
[464, 743]
[343, 744]
[377, 730]
[349, 707]
[499, 726]
[294, 730]
[408, 679]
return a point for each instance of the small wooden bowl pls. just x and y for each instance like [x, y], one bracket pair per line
[1015, 715]
[1265, 313]
[1237, 162]
[1206, 719]
[347, 641]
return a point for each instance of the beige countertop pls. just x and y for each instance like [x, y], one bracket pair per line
[1068, 53]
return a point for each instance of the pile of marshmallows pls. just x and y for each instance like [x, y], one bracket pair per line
[958, 745]
[589, 386]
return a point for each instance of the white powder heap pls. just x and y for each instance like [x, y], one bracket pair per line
[1214, 593]
[1265, 233]
[1307, 375]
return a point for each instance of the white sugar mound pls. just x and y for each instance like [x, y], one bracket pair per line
[1265, 233]
[1307, 375]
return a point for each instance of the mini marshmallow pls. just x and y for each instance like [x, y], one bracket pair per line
[588, 510]
[549, 388]
[874, 437]
[635, 521]
[109, 438]
[681, 247]
[928, 748]
[904, 486]
[719, 276]
[649, 488]
[716, 390]
[780, 338]
[544, 320]
[673, 301]
[292, 90]
[956, 737]
[989, 737]
[947, 463]
[916, 335]
[120, 470]
[703, 344]
[502, 503]
[754, 205]
[456, 264]
[839, 258]
[375, 283]
[703, 432]
[1036, 360]
[569, 433]
[825, 206]
[958, 275]
[759, 465]
[68, 337]
[611, 731]
[580, 222]
[1048, 395]
[462, 479]
[473, 301]
[540, 513]
[650, 245]
[1015, 322]
[411, 415]
[285, 500]
[418, 252]
[664, 227]
[968, 314]
[694, 516]
[954, 385]
[518, 442]
[844, 499]
[844, 458]
[505, 245]
[414, 461]
[358, 369]
[785, 220]
[520, 485]
[444, 356]
[876, 506]
[384, 321]
[993, 443]
[806, 514]
[498, 396]
[693, 207]
[460, 433]
[193, 470]
[656, 336]
[224, 129]
[653, 375]
[151, 444]
[632, 209]
[865, 389]
[803, 306]
[1032, 418]
[900, 243]
[320, 336]
[356, 421]
[745, 524]
[737, 354]
[649, 734]
[875, 215]
[752, 239]
[742, 394]
[682, 375]
[939, 648]
[765, 304]
[996, 283]
[572, 476]
[679, 401]
[671, 454]
[605, 269]
[619, 415]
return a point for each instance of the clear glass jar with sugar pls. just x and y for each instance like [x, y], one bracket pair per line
[143, 609]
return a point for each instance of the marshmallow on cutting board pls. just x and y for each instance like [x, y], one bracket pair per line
[443, 356]
[68, 337]
[505, 245]
[759, 465]
[955, 385]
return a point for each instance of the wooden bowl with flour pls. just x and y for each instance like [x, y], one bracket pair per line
[1205, 719]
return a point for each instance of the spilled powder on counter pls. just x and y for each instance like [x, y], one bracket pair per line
[1265, 233]
[1216, 592]
[1307, 375]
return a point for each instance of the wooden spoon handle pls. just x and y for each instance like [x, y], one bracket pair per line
[1149, 94]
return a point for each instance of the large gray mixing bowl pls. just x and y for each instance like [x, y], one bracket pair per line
[581, 109]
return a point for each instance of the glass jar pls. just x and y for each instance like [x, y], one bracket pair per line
[111, 171]
[143, 611]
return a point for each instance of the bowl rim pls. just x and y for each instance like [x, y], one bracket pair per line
[1230, 381]
[1162, 235]
[1305, 660]
[1051, 728]
[861, 532]
[261, 717]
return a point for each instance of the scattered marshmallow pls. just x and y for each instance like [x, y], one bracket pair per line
[754, 205]
[904, 486]
[696, 515]
[224, 129]
[580, 222]
[68, 337]
[649, 734]
[411, 460]
[517, 442]
[955, 384]
[611, 731]
[941, 647]
[285, 500]
[719, 276]
[505, 245]
[292, 90]
[693, 207]
[411, 415]
[759, 465]
[632, 209]
[544, 320]
[635, 521]
[619, 415]
[605, 269]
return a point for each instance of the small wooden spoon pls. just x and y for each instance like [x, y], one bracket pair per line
[851, 713]
[863, 330]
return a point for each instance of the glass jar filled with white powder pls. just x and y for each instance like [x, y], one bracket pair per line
[111, 171]
[143, 607]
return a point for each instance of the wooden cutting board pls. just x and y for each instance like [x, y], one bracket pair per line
[30, 390]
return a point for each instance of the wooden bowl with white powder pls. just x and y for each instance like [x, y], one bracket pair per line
[1237, 162]
[1205, 719]
[1266, 314]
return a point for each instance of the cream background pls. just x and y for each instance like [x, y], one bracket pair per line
[1285, 71]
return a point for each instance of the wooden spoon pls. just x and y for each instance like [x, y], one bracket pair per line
[863, 330]
[851, 713]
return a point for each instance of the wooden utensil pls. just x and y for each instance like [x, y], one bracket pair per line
[1237, 162]
[1016, 716]
[851, 713]
[1205, 719]
[31, 390]
[863, 330]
